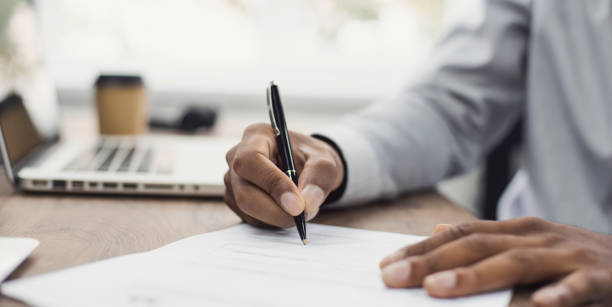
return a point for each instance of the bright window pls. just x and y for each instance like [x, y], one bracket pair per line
[321, 48]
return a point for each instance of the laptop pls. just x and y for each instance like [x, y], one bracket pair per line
[35, 158]
[162, 164]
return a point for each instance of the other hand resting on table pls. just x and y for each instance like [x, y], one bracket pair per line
[483, 256]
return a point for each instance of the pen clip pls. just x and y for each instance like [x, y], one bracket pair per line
[271, 109]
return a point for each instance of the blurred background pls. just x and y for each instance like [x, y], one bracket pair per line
[330, 57]
[351, 51]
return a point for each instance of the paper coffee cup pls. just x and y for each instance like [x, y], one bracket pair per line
[121, 102]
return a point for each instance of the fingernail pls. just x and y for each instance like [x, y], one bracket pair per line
[550, 295]
[291, 203]
[391, 258]
[396, 274]
[441, 281]
[313, 196]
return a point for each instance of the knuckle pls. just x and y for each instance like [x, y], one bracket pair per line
[423, 247]
[531, 223]
[418, 249]
[551, 239]
[230, 154]
[461, 230]
[240, 162]
[275, 184]
[580, 253]
[226, 179]
[520, 256]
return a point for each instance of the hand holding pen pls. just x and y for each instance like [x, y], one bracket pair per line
[278, 123]
[262, 194]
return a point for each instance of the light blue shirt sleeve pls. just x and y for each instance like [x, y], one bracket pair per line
[469, 96]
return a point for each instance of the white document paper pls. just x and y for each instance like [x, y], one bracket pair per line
[243, 266]
[13, 251]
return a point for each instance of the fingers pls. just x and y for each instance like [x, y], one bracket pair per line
[255, 203]
[515, 226]
[319, 167]
[252, 163]
[441, 227]
[228, 198]
[577, 289]
[411, 271]
[438, 239]
[516, 266]
[317, 179]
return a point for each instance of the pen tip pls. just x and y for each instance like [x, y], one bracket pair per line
[304, 241]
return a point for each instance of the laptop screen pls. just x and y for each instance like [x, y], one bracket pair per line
[20, 135]
[29, 112]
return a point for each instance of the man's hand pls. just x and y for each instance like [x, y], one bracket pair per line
[484, 256]
[260, 193]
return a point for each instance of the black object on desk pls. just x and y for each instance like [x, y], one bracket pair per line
[277, 120]
[193, 118]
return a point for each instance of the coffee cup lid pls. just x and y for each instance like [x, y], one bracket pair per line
[118, 80]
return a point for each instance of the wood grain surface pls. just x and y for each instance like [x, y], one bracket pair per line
[75, 230]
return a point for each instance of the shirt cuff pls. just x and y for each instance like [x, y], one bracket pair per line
[336, 194]
[361, 166]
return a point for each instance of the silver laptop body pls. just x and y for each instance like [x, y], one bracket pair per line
[168, 165]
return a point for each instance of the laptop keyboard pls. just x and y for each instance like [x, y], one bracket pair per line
[127, 160]
[123, 157]
[108, 160]
[145, 163]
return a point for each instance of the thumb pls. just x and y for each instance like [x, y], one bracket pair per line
[318, 178]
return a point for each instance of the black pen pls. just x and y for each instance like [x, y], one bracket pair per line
[279, 125]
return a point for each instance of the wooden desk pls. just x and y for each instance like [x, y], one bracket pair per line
[75, 230]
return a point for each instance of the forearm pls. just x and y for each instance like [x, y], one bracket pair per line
[384, 155]
[443, 124]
